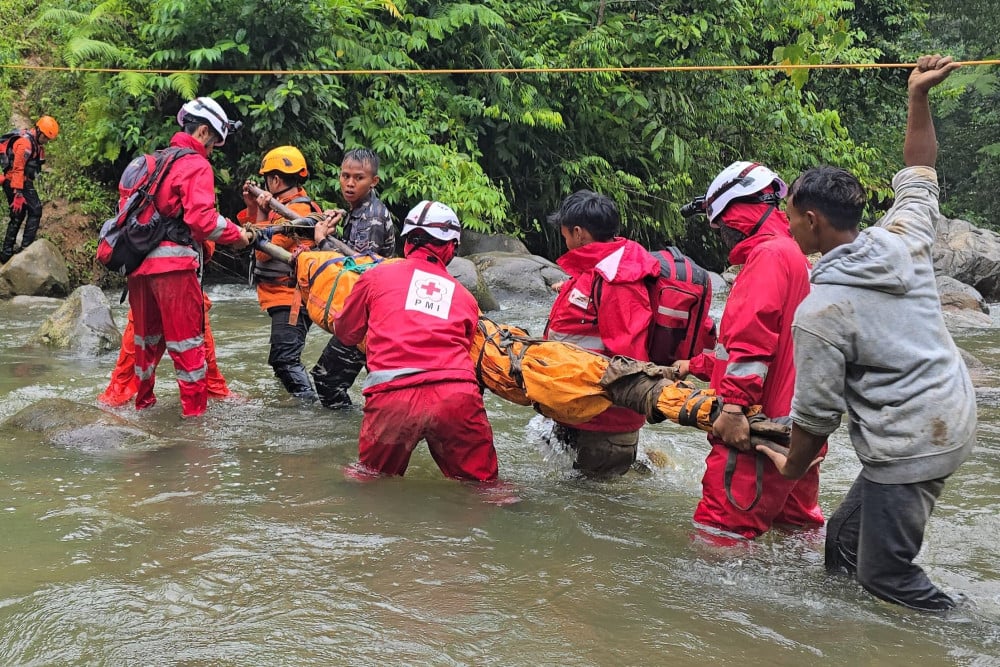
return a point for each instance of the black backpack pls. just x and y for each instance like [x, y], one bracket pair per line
[7, 147]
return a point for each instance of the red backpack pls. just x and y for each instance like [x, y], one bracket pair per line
[681, 297]
[138, 227]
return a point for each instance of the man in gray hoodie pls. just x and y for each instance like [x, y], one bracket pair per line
[870, 341]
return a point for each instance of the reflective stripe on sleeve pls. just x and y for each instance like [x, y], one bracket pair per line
[220, 226]
[587, 342]
[747, 369]
[720, 352]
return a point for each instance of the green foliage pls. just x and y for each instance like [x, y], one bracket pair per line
[504, 149]
[968, 111]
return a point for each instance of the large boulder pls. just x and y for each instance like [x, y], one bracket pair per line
[959, 296]
[465, 272]
[38, 270]
[719, 284]
[517, 274]
[72, 425]
[970, 255]
[83, 324]
[474, 243]
[956, 319]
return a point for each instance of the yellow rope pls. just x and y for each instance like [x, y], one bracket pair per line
[494, 70]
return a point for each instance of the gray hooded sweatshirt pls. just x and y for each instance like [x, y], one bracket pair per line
[870, 341]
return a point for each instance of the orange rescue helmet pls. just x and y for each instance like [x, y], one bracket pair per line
[284, 159]
[48, 126]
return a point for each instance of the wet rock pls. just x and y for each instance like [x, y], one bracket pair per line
[959, 296]
[37, 301]
[978, 371]
[465, 272]
[517, 274]
[38, 270]
[83, 325]
[474, 243]
[957, 320]
[729, 275]
[719, 284]
[72, 425]
[969, 254]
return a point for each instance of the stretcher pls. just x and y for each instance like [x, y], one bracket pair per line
[560, 380]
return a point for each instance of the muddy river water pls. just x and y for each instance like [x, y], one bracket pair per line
[237, 540]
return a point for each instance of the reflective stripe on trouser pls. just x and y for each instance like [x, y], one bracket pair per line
[877, 532]
[783, 501]
[168, 312]
[124, 385]
[449, 415]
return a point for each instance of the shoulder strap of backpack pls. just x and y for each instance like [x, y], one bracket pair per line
[316, 208]
[164, 159]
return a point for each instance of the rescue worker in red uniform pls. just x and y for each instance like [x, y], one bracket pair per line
[418, 323]
[605, 307]
[27, 157]
[743, 494]
[124, 384]
[165, 291]
[284, 170]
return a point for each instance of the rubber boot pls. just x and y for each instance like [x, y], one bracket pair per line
[296, 382]
[334, 373]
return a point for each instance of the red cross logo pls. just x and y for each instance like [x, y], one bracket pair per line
[430, 289]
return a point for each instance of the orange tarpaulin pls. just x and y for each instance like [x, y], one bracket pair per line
[560, 380]
[325, 278]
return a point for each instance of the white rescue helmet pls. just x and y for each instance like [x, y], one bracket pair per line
[739, 180]
[208, 111]
[433, 217]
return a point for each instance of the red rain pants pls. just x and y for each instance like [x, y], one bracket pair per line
[751, 474]
[124, 385]
[169, 315]
[449, 415]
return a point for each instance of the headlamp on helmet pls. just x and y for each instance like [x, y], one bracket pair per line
[206, 110]
[740, 180]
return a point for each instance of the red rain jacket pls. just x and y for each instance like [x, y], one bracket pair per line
[189, 186]
[753, 361]
[419, 323]
[618, 323]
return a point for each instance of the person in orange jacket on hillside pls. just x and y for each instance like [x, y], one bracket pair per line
[124, 383]
[284, 170]
[27, 154]
[165, 291]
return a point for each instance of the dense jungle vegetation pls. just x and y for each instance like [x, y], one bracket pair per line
[503, 149]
